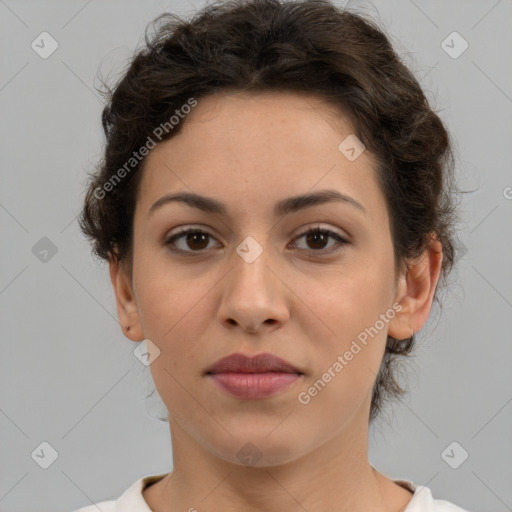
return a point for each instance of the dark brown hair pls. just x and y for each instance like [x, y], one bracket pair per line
[309, 46]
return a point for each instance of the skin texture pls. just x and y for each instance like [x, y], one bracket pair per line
[250, 151]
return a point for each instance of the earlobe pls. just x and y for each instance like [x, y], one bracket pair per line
[127, 309]
[415, 291]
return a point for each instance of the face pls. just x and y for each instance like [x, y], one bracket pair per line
[249, 280]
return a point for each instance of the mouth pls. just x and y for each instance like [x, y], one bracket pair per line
[260, 376]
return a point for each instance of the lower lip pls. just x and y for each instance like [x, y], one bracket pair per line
[254, 385]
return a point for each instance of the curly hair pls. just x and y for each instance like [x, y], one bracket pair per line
[308, 46]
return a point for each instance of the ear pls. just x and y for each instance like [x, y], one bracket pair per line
[415, 291]
[127, 310]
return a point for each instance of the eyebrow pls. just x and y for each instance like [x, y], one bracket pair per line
[283, 207]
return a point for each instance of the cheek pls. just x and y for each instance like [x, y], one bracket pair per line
[166, 296]
[352, 298]
[174, 314]
[353, 313]
[347, 362]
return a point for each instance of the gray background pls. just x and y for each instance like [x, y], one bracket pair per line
[68, 377]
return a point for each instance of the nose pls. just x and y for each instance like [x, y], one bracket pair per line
[254, 295]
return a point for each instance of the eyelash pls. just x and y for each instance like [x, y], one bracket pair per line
[341, 241]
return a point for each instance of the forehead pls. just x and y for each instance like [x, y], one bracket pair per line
[258, 147]
[266, 116]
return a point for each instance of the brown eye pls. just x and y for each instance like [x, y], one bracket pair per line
[316, 240]
[194, 240]
[197, 240]
[189, 240]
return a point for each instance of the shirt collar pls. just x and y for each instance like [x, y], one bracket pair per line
[132, 499]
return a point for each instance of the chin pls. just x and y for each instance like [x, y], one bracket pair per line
[258, 448]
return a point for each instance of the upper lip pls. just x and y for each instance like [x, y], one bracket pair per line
[260, 363]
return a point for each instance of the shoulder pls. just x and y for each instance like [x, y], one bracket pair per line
[423, 501]
[131, 500]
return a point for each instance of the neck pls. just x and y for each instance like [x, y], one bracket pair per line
[335, 476]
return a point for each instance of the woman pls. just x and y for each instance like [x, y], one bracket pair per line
[275, 205]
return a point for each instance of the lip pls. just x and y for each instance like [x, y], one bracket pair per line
[259, 376]
[259, 363]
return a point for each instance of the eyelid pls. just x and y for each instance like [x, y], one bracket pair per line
[320, 227]
[187, 228]
[307, 229]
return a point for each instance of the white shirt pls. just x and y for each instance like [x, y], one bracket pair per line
[133, 501]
